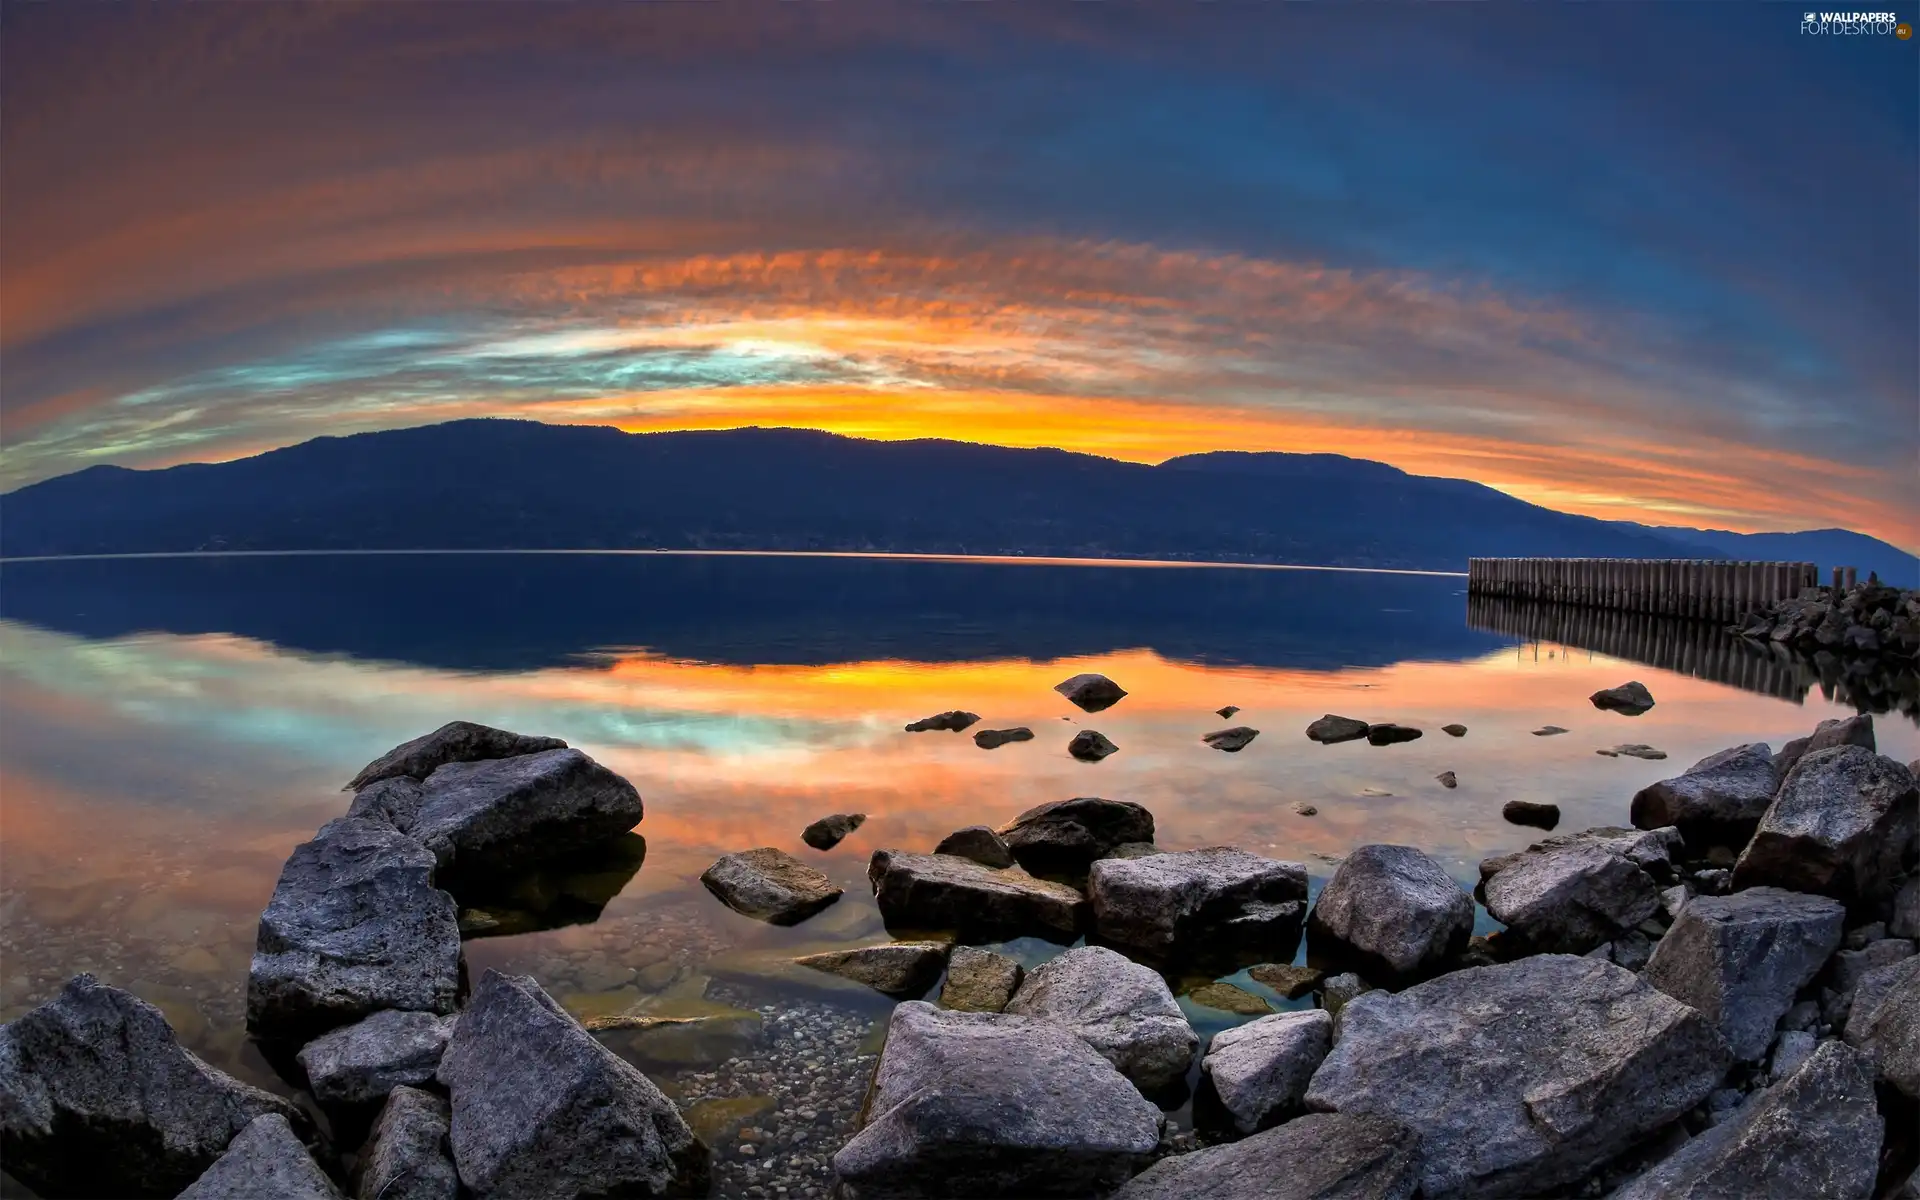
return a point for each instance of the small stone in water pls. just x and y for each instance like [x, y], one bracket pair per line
[1548, 731]
[1305, 809]
[1454, 730]
[1448, 779]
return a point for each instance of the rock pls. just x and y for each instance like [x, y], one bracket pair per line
[1790, 1049]
[355, 925]
[542, 1109]
[1226, 714]
[1305, 809]
[1391, 912]
[503, 815]
[719, 1120]
[904, 970]
[1531, 812]
[993, 739]
[264, 1159]
[1261, 1069]
[828, 832]
[989, 1104]
[360, 1063]
[1839, 826]
[1884, 1023]
[98, 1098]
[1862, 936]
[1632, 949]
[1843, 731]
[1454, 730]
[1322, 1156]
[1168, 904]
[694, 1034]
[1816, 1134]
[1373, 791]
[769, 885]
[1291, 982]
[1906, 910]
[1067, 835]
[1521, 1078]
[1851, 966]
[1448, 779]
[406, 1157]
[1548, 731]
[1340, 990]
[1717, 801]
[1388, 734]
[941, 891]
[1090, 745]
[978, 843]
[1092, 693]
[1330, 729]
[1629, 699]
[1714, 881]
[1634, 750]
[1231, 740]
[1741, 959]
[395, 800]
[1804, 1015]
[1673, 899]
[1228, 998]
[1134, 850]
[456, 741]
[979, 980]
[1570, 893]
[1120, 1008]
[946, 722]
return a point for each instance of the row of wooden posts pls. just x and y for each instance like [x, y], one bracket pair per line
[1704, 589]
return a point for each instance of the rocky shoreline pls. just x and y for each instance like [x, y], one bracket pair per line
[1722, 999]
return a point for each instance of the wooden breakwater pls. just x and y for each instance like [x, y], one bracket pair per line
[1695, 589]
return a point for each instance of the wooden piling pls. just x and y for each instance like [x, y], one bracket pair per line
[1713, 590]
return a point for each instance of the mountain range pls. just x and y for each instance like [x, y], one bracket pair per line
[507, 484]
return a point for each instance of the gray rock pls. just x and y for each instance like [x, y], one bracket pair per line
[1091, 692]
[1804, 1015]
[979, 980]
[1134, 850]
[456, 741]
[1531, 812]
[1839, 826]
[1632, 949]
[1090, 745]
[1338, 991]
[504, 815]
[1851, 966]
[978, 843]
[264, 1160]
[946, 722]
[98, 1098]
[1226, 713]
[395, 800]
[355, 925]
[1790, 1049]
[993, 739]
[1549, 731]
[770, 885]
[1120, 1008]
[1673, 899]
[989, 1104]
[1231, 740]
[406, 1157]
[1388, 734]
[1330, 729]
[1633, 750]
[1906, 910]
[942, 891]
[1816, 1134]
[1718, 800]
[1168, 904]
[1861, 936]
[1229, 997]
[361, 1063]
[1322, 1156]
[1521, 1078]
[1454, 730]
[1570, 893]
[828, 832]
[1841, 731]
[1390, 912]
[1884, 1023]
[1631, 699]
[1448, 779]
[1290, 981]
[1741, 959]
[1067, 835]
[1261, 1069]
[542, 1109]
[1715, 881]
[901, 969]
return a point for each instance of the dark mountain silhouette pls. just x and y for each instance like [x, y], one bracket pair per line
[1826, 548]
[524, 485]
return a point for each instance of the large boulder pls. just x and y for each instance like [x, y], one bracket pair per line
[264, 1159]
[1570, 893]
[505, 814]
[979, 980]
[355, 925]
[1817, 1133]
[1717, 801]
[1391, 913]
[406, 1157]
[987, 1104]
[978, 843]
[769, 885]
[1067, 835]
[1842, 822]
[942, 891]
[1522, 1077]
[1631, 698]
[1120, 1008]
[98, 1098]
[1260, 1070]
[1741, 959]
[1179, 905]
[1840, 731]
[542, 1109]
[1884, 1023]
[901, 969]
[1091, 692]
[1322, 1156]
[359, 1064]
[456, 741]
[1332, 728]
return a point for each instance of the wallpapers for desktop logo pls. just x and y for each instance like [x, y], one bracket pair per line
[1854, 24]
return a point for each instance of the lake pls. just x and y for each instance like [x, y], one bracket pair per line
[171, 728]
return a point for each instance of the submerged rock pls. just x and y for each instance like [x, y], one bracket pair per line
[1841, 731]
[360, 1063]
[1548, 731]
[991, 1104]
[1630, 699]
[978, 843]
[355, 925]
[698, 1034]
[1067, 835]
[1091, 692]
[979, 980]
[542, 1109]
[1391, 912]
[98, 1098]
[1633, 750]
[1231, 740]
[264, 1159]
[507, 814]
[1531, 812]
[1389, 734]
[1291, 982]
[1090, 745]
[946, 722]
[1521, 1078]
[903, 970]
[456, 741]
[1229, 997]
[1322, 1156]
[1168, 905]
[1840, 825]
[1261, 1069]
[828, 832]
[406, 1157]
[1884, 1023]
[1448, 779]
[1718, 800]
[993, 739]
[1331, 728]
[941, 891]
[1226, 714]
[1120, 1008]
[770, 885]
[1571, 893]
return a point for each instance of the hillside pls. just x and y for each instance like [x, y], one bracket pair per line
[1827, 548]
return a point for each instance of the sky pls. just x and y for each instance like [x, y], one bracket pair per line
[1651, 262]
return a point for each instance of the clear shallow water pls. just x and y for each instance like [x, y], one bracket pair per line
[171, 729]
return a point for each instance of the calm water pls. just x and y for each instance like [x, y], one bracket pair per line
[171, 729]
